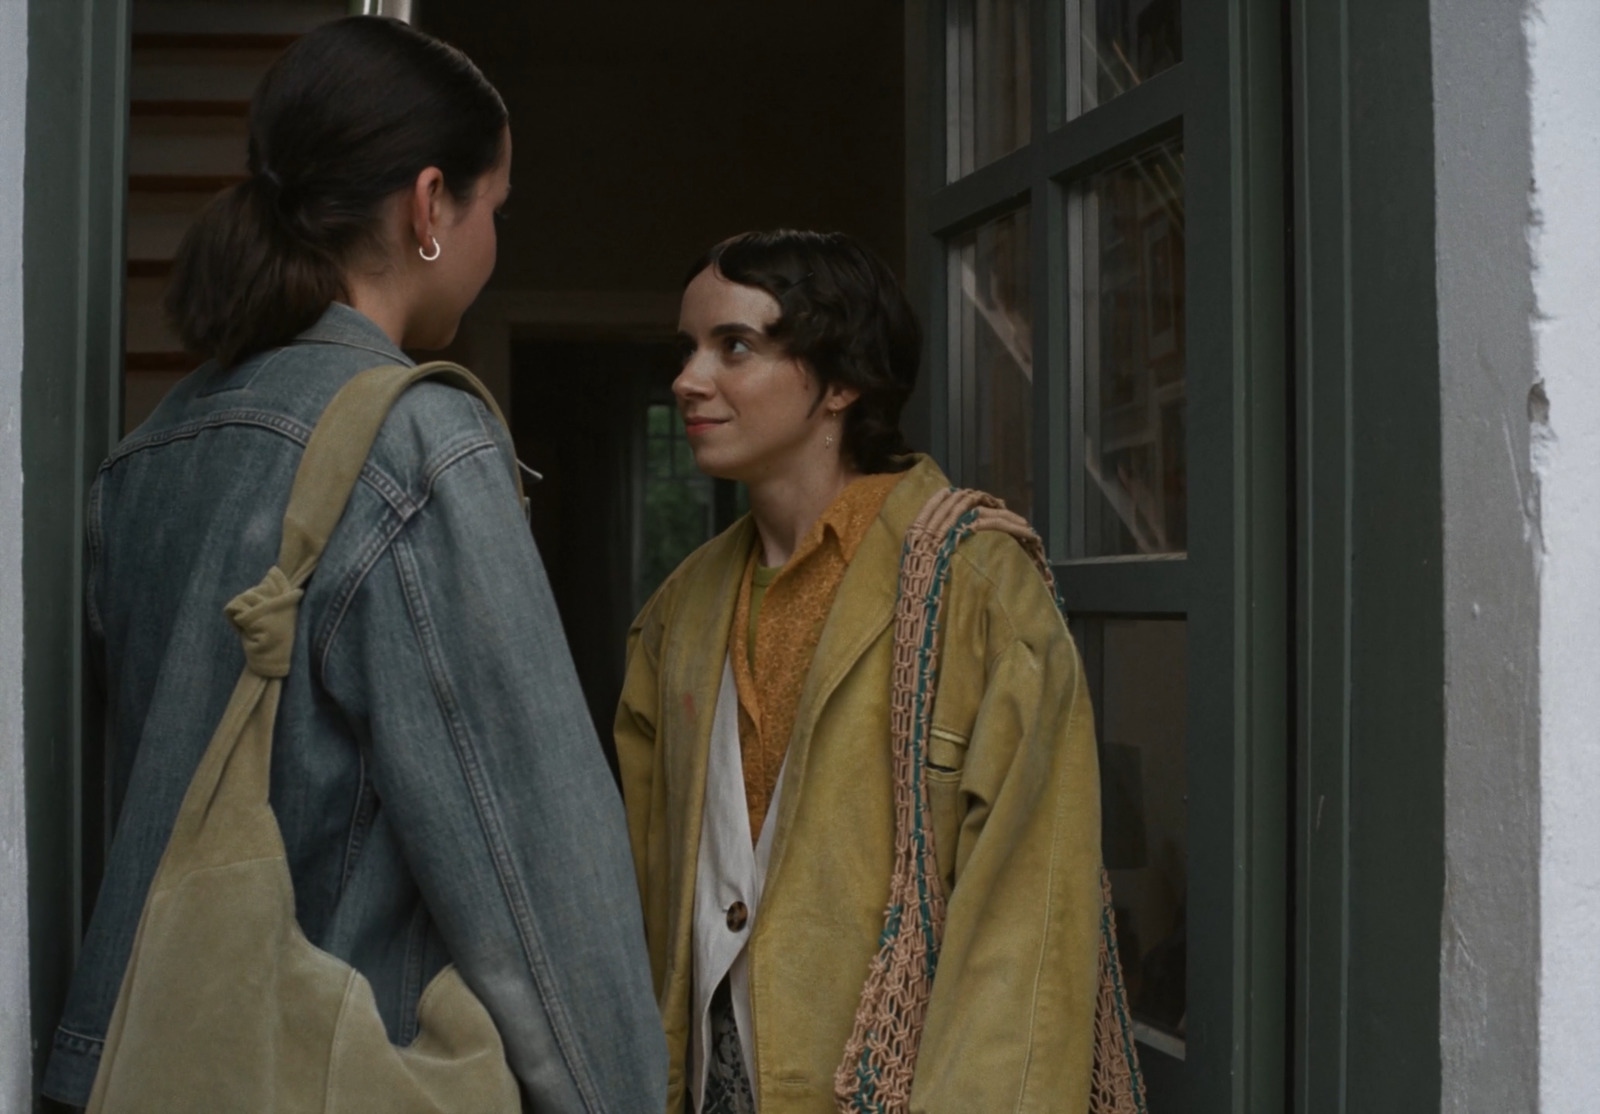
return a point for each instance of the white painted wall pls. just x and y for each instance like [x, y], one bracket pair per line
[15, 1054]
[1564, 40]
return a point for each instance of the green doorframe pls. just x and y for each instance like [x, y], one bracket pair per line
[1239, 462]
[1369, 805]
[73, 264]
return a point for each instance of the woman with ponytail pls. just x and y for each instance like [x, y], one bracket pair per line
[435, 775]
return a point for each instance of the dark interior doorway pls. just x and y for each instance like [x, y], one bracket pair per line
[621, 503]
[643, 134]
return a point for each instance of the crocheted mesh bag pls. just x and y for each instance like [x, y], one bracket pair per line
[880, 1059]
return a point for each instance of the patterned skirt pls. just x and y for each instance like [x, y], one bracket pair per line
[728, 1088]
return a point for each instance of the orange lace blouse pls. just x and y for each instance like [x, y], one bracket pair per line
[789, 621]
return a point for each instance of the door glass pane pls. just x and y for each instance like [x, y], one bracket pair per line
[677, 501]
[991, 358]
[1137, 670]
[1116, 44]
[987, 82]
[1128, 357]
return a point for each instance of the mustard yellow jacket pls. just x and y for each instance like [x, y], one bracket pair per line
[1015, 801]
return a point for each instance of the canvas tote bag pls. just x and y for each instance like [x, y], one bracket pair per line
[880, 1060]
[225, 1005]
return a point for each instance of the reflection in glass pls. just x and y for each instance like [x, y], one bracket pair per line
[1127, 316]
[1122, 43]
[1137, 674]
[988, 88]
[991, 356]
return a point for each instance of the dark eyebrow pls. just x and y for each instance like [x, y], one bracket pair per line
[736, 329]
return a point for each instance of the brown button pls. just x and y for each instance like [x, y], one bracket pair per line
[737, 916]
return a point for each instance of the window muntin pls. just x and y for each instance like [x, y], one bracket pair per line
[990, 322]
[1126, 310]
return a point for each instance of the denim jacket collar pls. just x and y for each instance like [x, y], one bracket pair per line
[339, 325]
[342, 324]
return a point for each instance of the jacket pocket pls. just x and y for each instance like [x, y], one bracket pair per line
[947, 759]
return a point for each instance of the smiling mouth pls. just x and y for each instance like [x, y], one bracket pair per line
[696, 426]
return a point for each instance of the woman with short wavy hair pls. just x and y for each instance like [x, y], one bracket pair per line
[754, 731]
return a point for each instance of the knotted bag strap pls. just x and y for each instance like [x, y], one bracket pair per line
[879, 1063]
[234, 769]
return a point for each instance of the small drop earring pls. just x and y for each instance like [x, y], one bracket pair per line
[827, 442]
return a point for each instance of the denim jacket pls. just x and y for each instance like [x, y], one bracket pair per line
[435, 772]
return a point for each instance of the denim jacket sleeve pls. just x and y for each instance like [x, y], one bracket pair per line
[451, 660]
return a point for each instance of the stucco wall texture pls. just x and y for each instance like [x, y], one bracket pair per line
[15, 1057]
[1489, 947]
[1517, 140]
[1564, 233]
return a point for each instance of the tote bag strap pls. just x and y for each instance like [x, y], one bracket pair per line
[879, 1062]
[339, 448]
[233, 773]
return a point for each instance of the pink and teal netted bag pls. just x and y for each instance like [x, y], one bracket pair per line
[880, 1059]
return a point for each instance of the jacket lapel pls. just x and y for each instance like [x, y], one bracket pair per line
[691, 675]
[862, 610]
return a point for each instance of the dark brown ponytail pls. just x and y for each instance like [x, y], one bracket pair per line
[345, 119]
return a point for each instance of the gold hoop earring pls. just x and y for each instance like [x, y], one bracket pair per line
[437, 249]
